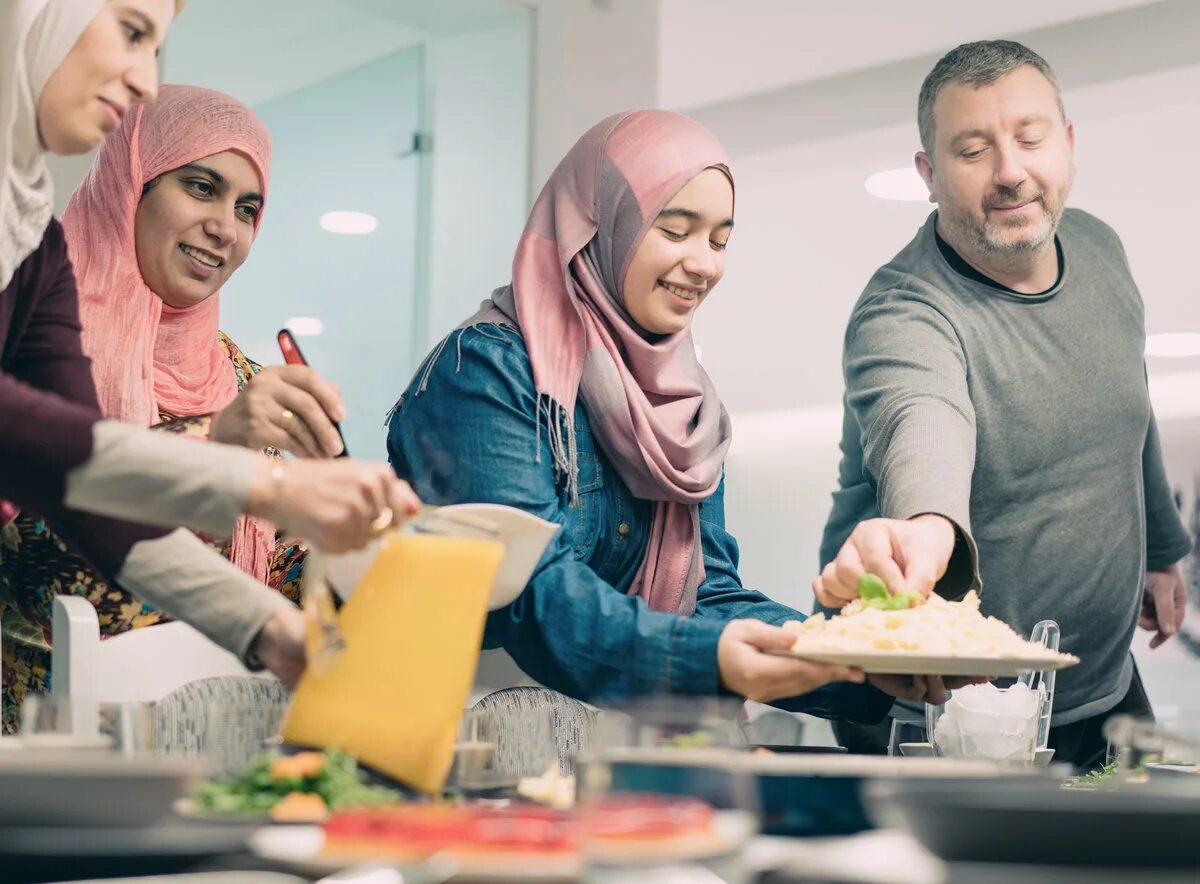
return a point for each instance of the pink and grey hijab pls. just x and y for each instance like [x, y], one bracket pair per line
[652, 408]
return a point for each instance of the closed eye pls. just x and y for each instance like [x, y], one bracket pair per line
[673, 235]
[133, 33]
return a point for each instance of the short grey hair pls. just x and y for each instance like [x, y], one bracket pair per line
[977, 64]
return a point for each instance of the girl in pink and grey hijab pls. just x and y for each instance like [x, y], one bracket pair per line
[575, 393]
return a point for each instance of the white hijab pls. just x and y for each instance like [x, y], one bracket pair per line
[35, 37]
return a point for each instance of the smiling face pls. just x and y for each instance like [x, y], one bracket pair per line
[195, 225]
[682, 257]
[1002, 165]
[112, 66]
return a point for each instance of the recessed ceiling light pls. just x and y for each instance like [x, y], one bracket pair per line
[898, 184]
[1175, 344]
[305, 325]
[349, 222]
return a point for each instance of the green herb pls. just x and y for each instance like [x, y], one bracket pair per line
[872, 588]
[874, 594]
[693, 740]
[338, 782]
[1099, 778]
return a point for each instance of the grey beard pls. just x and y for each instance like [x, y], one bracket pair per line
[981, 241]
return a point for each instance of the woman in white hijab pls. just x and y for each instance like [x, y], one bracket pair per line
[69, 71]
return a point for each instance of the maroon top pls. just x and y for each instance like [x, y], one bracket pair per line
[48, 403]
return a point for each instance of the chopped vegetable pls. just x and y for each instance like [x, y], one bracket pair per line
[303, 764]
[331, 776]
[300, 807]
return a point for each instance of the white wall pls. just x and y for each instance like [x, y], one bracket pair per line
[593, 58]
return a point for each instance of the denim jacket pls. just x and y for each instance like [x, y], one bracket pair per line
[466, 430]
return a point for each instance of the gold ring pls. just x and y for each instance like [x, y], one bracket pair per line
[382, 522]
[285, 419]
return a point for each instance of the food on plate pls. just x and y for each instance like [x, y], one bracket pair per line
[414, 831]
[649, 825]
[300, 807]
[303, 787]
[690, 740]
[633, 825]
[553, 787]
[873, 593]
[1098, 778]
[937, 628]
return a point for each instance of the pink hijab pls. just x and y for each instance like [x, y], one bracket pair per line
[653, 409]
[149, 358]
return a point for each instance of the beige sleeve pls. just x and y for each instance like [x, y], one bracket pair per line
[162, 479]
[182, 576]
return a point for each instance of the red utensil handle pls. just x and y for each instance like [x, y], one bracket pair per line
[293, 356]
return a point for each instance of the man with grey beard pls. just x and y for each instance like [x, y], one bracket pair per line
[998, 430]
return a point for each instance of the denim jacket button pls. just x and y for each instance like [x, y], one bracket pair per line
[623, 529]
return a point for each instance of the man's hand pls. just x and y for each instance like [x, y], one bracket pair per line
[280, 645]
[933, 689]
[910, 555]
[1164, 603]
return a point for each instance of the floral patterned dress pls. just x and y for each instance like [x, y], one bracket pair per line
[36, 565]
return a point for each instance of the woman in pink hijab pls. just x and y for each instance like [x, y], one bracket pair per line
[575, 393]
[167, 213]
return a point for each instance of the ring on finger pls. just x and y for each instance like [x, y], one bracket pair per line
[285, 419]
[382, 522]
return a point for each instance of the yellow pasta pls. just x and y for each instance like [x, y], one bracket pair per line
[937, 628]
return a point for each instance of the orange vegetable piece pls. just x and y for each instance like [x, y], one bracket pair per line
[300, 807]
[303, 764]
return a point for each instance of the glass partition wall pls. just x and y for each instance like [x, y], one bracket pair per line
[399, 181]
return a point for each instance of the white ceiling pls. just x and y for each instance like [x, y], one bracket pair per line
[716, 50]
[257, 49]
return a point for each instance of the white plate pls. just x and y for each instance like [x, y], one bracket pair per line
[298, 848]
[41, 787]
[891, 663]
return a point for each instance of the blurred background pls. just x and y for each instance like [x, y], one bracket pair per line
[431, 124]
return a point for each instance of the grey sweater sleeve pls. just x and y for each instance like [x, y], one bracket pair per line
[906, 384]
[161, 479]
[1167, 540]
[182, 576]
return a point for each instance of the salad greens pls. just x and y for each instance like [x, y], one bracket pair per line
[332, 775]
[875, 594]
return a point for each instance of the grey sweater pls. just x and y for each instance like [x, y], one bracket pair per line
[1026, 420]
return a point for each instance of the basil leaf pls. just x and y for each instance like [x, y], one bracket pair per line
[872, 587]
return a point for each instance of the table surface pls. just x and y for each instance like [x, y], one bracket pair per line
[871, 858]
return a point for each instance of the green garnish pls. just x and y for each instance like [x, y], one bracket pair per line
[338, 782]
[872, 588]
[874, 594]
[1098, 778]
[693, 740]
